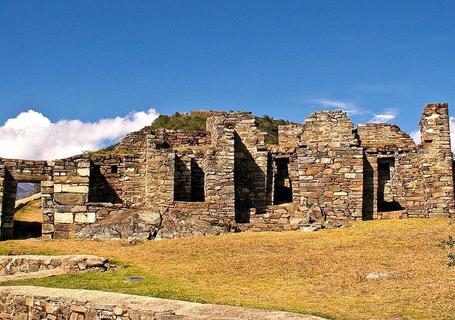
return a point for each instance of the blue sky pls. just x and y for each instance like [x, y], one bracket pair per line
[89, 60]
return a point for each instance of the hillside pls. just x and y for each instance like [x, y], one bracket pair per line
[28, 217]
[25, 190]
[29, 211]
[322, 273]
[196, 121]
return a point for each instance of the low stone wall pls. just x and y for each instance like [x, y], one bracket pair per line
[30, 303]
[30, 266]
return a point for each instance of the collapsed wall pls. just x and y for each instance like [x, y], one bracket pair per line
[166, 184]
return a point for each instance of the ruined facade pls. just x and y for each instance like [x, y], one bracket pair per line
[165, 184]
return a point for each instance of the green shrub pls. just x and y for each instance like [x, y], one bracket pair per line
[451, 257]
[270, 126]
[178, 121]
[449, 243]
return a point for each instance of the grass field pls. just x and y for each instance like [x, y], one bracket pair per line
[29, 212]
[320, 273]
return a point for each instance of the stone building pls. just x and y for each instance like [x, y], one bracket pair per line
[165, 184]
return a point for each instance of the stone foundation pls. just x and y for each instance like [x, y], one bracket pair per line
[33, 303]
[31, 266]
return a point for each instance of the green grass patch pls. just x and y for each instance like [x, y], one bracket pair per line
[181, 121]
[115, 280]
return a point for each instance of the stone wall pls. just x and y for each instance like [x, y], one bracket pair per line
[288, 135]
[330, 163]
[250, 168]
[133, 143]
[184, 139]
[48, 209]
[286, 154]
[34, 303]
[421, 184]
[28, 170]
[166, 184]
[71, 191]
[383, 137]
[386, 143]
[30, 266]
[436, 160]
[160, 174]
[216, 214]
[95, 188]
[15, 171]
[118, 179]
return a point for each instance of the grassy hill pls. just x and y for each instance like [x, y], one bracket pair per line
[29, 212]
[27, 219]
[196, 121]
[322, 273]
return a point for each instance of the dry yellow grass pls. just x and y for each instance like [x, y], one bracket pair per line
[29, 212]
[321, 273]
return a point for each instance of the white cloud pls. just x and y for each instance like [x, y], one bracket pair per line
[31, 135]
[347, 106]
[387, 116]
[417, 137]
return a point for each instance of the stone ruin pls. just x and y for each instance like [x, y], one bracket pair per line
[166, 184]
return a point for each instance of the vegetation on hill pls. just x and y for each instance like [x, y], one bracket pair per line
[28, 218]
[181, 121]
[322, 273]
[29, 212]
[270, 126]
[109, 150]
[196, 121]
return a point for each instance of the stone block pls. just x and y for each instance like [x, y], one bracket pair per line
[47, 228]
[74, 188]
[63, 217]
[78, 209]
[63, 207]
[79, 309]
[70, 179]
[57, 188]
[70, 198]
[83, 172]
[81, 217]
[47, 184]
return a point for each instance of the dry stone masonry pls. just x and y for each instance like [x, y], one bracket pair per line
[35, 303]
[36, 266]
[166, 184]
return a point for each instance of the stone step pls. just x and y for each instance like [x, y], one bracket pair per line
[398, 214]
